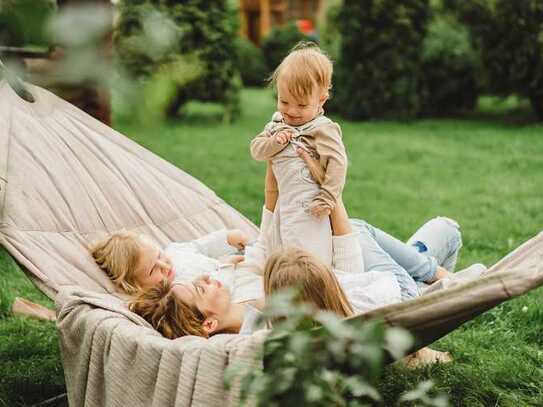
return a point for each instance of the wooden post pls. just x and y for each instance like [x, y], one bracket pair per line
[265, 18]
[243, 19]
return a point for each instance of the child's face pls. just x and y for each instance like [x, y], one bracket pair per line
[153, 266]
[295, 111]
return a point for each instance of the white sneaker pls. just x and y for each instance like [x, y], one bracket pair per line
[469, 273]
[460, 277]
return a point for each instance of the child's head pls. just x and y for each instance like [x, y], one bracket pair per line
[303, 80]
[133, 262]
[317, 285]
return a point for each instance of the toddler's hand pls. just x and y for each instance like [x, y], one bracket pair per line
[234, 259]
[319, 211]
[283, 136]
[236, 238]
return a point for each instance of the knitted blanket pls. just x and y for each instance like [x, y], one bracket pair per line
[112, 357]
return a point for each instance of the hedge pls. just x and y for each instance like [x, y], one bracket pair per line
[202, 28]
[379, 58]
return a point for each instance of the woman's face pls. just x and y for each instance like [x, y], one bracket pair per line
[207, 294]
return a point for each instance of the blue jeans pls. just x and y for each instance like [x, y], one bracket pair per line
[436, 243]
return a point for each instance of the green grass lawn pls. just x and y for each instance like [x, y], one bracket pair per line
[485, 172]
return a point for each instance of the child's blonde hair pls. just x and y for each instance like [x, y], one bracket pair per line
[119, 255]
[167, 313]
[305, 69]
[317, 285]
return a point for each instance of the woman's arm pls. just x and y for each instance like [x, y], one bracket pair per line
[340, 220]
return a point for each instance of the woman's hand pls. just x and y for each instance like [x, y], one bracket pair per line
[319, 211]
[316, 170]
[236, 238]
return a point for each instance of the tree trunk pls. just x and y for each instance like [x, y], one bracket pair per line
[537, 105]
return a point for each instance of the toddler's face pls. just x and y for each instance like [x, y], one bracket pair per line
[295, 111]
[153, 266]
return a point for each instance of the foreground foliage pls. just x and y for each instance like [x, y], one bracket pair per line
[156, 35]
[313, 358]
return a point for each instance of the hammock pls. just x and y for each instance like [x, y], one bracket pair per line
[66, 180]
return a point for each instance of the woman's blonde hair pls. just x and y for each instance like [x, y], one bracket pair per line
[167, 313]
[303, 70]
[316, 283]
[119, 255]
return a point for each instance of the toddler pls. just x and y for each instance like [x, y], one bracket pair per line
[303, 80]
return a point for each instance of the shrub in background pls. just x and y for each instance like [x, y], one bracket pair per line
[449, 68]
[379, 59]
[338, 364]
[251, 64]
[329, 33]
[279, 42]
[509, 35]
[202, 28]
[23, 22]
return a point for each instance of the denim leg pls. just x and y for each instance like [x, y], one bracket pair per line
[439, 238]
[377, 259]
[418, 266]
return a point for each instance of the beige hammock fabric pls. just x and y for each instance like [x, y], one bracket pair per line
[66, 179]
[112, 357]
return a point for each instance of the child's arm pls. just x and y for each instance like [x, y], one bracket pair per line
[331, 150]
[215, 244]
[265, 146]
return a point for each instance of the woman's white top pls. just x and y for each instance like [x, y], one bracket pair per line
[364, 290]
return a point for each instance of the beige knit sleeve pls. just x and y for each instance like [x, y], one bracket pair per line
[333, 158]
[264, 147]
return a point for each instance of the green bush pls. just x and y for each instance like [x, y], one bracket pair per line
[279, 42]
[153, 33]
[448, 73]
[250, 61]
[509, 35]
[338, 364]
[22, 22]
[379, 59]
[330, 36]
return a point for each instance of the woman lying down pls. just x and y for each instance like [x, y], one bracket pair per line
[201, 288]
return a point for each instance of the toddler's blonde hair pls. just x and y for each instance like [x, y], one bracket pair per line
[167, 313]
[316, 283]
[305, 69]
[119, 255]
